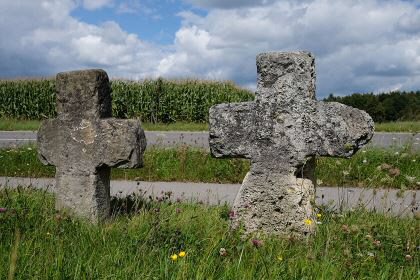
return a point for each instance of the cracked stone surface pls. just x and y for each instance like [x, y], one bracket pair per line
[84, 142]
[281, 132]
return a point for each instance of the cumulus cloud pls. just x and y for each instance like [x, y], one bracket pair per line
[227, 4]
[47, 40]
[359, 45]
[96, 4]
[362, 46]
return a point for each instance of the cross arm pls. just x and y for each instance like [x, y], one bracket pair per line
[122, 143]
[231, 129]
[341, 130]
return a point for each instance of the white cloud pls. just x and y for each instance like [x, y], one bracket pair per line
[96, 4]
[359, 45]
[48, 40]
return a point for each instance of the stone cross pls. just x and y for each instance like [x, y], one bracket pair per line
[281, 132]
[84, 142]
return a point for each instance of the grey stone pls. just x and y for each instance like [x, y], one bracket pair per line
[281, 132]
[84, 142]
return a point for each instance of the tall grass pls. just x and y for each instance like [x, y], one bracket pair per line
[36, 242]
[153, 101]
[366, 169]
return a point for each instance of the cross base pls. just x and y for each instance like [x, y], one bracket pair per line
[275, 204]
[85, 195]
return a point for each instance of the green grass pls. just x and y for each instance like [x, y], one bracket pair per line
[36, 242]
[13, 124]
[196, 165]
[404, 126]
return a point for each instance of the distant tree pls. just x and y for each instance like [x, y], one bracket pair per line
[392, 106]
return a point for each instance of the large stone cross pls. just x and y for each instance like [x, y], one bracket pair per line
[281, 132]
[83, 142]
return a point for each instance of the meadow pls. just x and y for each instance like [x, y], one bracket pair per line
[368, 168]
[8, 124]
[151, 239]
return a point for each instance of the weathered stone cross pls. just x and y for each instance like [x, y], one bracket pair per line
[83, 142]
[281, 132]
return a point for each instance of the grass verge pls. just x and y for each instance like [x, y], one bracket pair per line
[403, 126]
[38, 243]
[13, 124]
[368, 168]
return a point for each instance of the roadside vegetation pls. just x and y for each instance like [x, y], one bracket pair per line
[33, 125]
[159, 239]
[368, 168]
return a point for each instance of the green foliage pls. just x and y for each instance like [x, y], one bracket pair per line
[27, 99]
[153, 101]
[196, 165]
[384, 107]
[138, 241]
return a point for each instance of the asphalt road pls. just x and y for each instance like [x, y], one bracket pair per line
[200, 139]
[386, 201]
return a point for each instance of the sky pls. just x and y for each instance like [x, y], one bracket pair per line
[359, 45]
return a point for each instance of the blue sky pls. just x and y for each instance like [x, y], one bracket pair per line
[360, 46]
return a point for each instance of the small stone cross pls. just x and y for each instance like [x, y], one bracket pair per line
[281, 132]
[84, 142]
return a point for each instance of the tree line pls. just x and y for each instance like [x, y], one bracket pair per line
[384, 107]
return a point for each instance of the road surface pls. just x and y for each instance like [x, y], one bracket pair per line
[200, 139]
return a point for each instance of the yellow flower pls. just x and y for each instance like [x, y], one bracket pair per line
[280, 258]
[308, 222]
[318, 215]
[182, 254]
[174, 257]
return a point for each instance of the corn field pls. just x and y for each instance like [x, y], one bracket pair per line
[150, 100]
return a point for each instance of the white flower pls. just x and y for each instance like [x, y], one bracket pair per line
[397, 153]
[364, 161]
[370, 254]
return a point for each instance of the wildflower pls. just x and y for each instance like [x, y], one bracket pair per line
[307, 222]
[394, 172]
[370, 254]
[364, 161]
[397, 153]
[231, 214]
[368, 236]
[174, 257]
[319, 223]
[2, 210]
[279, 258]
[29, 149]
[345, 228]
[223, 252]
[376, 243]
[411, 179]
[48, 233]
[413, 160]
[256, 242]
[364, 151]
[318, 215]
[182, 254]
[385, 166]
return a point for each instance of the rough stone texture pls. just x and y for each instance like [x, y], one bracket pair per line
[281, 132]
[84, 142]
